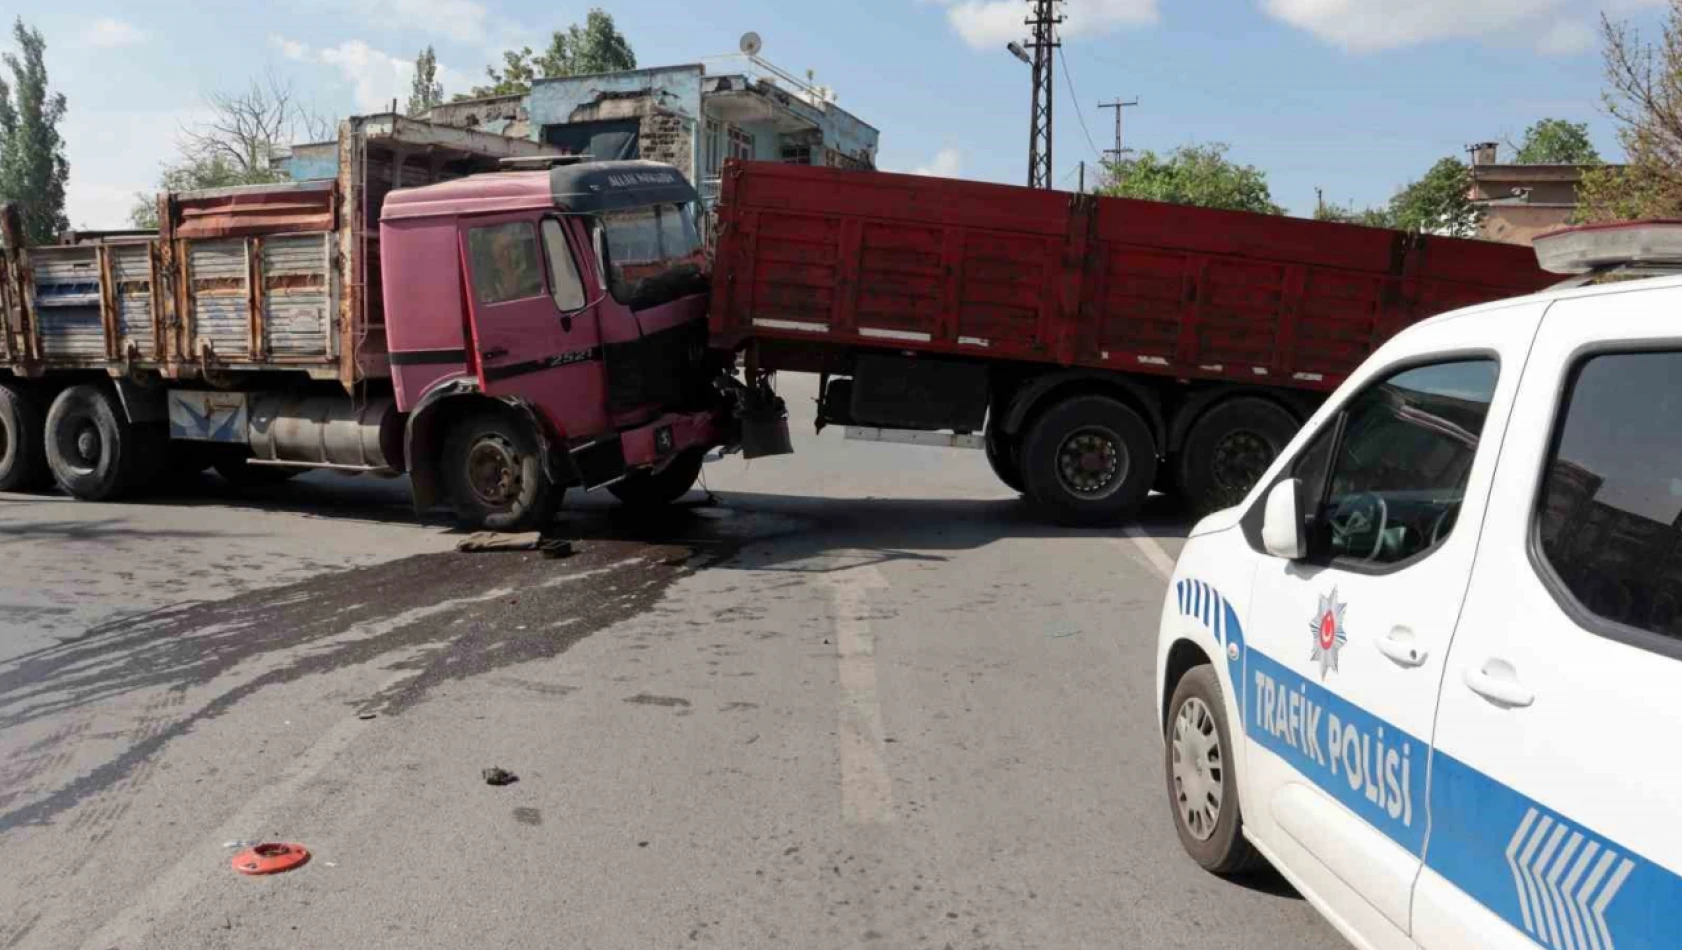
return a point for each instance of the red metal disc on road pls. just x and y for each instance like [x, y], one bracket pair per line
[270, 858]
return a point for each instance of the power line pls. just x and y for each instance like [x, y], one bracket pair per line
[1118, 105]
[1069, 78]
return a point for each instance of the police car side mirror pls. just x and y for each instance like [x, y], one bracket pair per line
[1282, 524]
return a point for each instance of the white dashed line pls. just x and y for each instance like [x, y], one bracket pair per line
[867, 795]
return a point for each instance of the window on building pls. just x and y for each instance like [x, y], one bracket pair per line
[1392, 487]
[1610, 519]
[506, 263]
[740, 143]
[797, 154]
[563, 269]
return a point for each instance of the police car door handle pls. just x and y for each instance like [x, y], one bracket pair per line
[1401, 646]
[1497, 682]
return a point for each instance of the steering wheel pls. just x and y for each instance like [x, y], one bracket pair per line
[1357, 514]
[1444, 523]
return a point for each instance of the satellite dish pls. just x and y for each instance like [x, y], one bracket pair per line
[751, 44]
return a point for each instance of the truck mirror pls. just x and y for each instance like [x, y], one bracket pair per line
[1282, 524]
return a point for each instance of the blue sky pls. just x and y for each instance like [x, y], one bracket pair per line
[1352, 96]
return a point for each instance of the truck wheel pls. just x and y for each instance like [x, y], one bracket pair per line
[23, 459]
[1228, 451]
[94, 453]
[1002, 454]
[652, 489]
[494, 475]
[1089, 461]
[1202, 777]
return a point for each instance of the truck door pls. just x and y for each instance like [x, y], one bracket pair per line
[1347, 646]
[1555, 779]
[534, 328]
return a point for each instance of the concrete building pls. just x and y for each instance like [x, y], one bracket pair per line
[1522, 201]
[681, 115]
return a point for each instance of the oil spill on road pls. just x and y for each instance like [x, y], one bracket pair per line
[448, 616]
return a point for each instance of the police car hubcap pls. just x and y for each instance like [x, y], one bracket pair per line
[1197, 769]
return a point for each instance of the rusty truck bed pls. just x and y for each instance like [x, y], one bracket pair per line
[816, 261]
[264, 278]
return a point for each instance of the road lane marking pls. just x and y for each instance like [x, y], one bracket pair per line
[867, 793]
[1151, 549]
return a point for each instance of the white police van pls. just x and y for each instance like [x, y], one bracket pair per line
[1431, 669]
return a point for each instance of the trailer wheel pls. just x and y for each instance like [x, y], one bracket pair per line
[1004, 454]
[95, 454]
[652, 489]
[1089, 461]
[23, 459]
[1229, 449]
[494, 475]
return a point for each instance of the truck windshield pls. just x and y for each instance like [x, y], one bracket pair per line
[654, 255]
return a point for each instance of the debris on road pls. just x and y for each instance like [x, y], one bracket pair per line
[366, 715]
[271, 857]
[495, 776]
[237, 844]
[555, 548]
[1061, 634]
[492, 541]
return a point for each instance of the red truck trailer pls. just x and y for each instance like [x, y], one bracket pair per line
[1094, 347]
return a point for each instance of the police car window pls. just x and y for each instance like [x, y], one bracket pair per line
[1610, 521]
[506, 265]
[1394, 485]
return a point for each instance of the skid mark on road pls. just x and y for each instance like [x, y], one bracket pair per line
[867, 795]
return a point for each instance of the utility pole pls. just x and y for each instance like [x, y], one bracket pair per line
[1043, 43]
[1082, 189]
[1115, 154]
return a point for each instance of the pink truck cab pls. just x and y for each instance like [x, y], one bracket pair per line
[547, 329]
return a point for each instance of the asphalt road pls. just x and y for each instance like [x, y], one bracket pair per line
[858, 698]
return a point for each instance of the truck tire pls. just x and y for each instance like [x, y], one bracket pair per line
[1002, 454]
[23, 458]
[653, 489]
[1089, 460]
[494, 476]
[1229, 449]
[96, 454]
[1202, 777]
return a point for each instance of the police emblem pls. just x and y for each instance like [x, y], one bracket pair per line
[1329, 636]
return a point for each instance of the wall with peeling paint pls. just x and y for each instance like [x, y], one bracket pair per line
[666, 101]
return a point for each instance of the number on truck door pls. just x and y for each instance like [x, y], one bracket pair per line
[1556, 778]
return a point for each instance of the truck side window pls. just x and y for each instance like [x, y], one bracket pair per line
[1609, 522]
[563, 270]
[1393, 486]
[505, 261]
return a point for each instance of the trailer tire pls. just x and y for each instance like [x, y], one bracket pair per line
[653, 489]
[1228, 450]
[1004, 454]
[94, 452]
[23, 457]
[1089, 461]
[494, 475]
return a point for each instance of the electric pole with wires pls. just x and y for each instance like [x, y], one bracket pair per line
[1114, 155]
[1043, 42]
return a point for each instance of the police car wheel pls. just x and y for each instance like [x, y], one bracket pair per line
[1202, 782]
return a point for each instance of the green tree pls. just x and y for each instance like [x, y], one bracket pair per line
[595, 47]
[1438, 203]
[1192, 175]
[1644, 97]
[236, 145]
[1557, 142]
[33, 169]
[425, 91]
[1347, 214]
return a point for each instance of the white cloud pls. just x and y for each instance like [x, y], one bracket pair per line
[1566, 38]
[375, 76]
[947, 163]
[1555, 27]
[989, 23]
[106, 33]
[115, 153]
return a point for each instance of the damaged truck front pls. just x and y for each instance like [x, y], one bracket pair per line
[498, 335]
